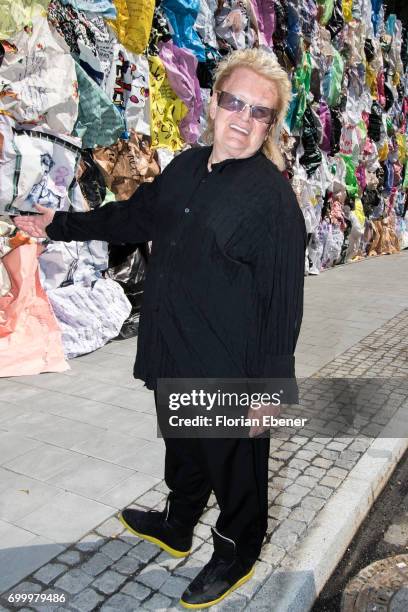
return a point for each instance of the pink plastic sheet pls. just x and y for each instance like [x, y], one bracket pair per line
[30, 338]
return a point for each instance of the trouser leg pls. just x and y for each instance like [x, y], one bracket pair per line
[186, 478]
[238, 471]
[188, 483]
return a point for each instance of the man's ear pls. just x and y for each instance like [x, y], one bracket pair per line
[213, 106]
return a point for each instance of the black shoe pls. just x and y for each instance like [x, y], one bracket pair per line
[156, 528]
[223, 574]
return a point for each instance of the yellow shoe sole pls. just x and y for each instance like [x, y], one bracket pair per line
[172, 551]
[207, 604]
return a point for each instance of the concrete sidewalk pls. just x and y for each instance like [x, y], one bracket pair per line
[76, 447]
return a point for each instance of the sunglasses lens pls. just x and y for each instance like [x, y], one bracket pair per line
[230, 102]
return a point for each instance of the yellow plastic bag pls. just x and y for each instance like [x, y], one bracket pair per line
[347, 10]
[133, 23]
[402, 147]
[383, 151]
[359, 211]
[166, 109]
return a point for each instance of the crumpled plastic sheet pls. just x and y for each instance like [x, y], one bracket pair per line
[38, 80]
[89, 316]
[181, 66]
[44, 170]
[17, 14]
[182, 15]
[105, 8]
[30, 339]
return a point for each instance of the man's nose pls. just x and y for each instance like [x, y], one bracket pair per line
[246, 112]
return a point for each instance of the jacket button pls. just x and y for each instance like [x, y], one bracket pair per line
[173, 243]
[186, 210]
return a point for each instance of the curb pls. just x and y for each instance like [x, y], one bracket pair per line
[296, 584]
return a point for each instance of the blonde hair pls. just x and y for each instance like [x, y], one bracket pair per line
[263, 63]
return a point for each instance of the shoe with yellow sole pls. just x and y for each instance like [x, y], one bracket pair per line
[156, 528]
[221, 576]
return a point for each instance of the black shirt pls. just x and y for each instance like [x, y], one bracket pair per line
[223, 294]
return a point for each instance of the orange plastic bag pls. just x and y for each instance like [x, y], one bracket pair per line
[30, 339]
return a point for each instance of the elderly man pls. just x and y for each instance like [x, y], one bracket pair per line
[223, 299]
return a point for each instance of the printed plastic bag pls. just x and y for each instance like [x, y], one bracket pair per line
[38, 82]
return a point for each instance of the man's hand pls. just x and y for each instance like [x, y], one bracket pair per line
[259, 413]
[35, 225]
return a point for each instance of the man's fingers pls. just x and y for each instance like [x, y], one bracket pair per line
[41, 209]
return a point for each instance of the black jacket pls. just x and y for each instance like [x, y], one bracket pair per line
[224, 288]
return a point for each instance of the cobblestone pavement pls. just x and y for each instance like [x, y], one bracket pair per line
[109, 569]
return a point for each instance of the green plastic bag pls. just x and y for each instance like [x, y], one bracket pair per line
[351, 179]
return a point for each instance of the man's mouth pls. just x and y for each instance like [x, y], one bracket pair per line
[234, 126]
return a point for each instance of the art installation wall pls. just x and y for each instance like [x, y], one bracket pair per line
[97, 96]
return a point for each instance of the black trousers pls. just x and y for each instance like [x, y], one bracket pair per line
[236, 470]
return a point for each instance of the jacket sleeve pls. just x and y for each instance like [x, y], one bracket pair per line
[132, 220]
[277, 265]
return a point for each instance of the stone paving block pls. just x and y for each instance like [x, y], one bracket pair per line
[303, 514]
[298, 490]
[203, 531]
[284, 538]
[70, 557]
[122, 603]
[316, 472]
[272, 554]
[315, 503]
[167, 561]
[330, 455]
[273, 493]
[48, 606]
[174, 586]
[145, 551]
[337, 446]
[287, 500]
[157, 602]
[323, 463]
[86, 601]
[203, 554]
[321, 491]
[96, 564]
[289, 446]
[281, 454]
[233, 602]
[262, 571]
[281, 483]
[108, 582]
[306, 480]
[189, 569]
[275, 465]
[151, 499]
[50, 571]
[136, 590]
[127, 565]
[115, 549]
[26, 587]
[278, 512]
[90, 542]
[210, 516]
[299, 464]
[330, 481]
[111, 528]
[289, 472]
[306, 455]
[162, 487]
[73, 581]
[294, 525]
[153, 576]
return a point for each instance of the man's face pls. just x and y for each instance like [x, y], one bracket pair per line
[237, 134]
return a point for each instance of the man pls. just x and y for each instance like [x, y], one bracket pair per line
[223, 299]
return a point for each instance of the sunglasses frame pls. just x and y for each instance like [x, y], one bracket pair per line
[251, 107]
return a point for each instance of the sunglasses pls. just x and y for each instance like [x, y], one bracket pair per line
[261, 113]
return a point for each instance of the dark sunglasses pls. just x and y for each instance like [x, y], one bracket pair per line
[231, 103]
